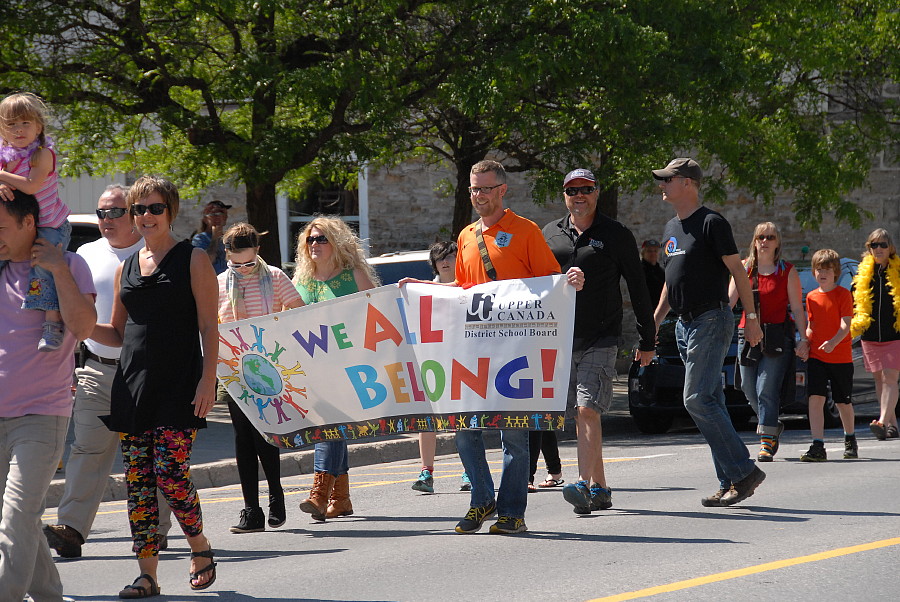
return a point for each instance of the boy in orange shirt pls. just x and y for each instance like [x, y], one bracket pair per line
[830, 309]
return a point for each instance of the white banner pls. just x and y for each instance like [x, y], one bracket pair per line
[395, 360]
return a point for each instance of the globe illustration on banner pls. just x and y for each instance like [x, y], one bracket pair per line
[260, 375]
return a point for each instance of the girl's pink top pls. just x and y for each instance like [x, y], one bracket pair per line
[53, 212]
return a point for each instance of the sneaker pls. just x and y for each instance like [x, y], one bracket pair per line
[425, 482]
[744, 488]
[277, 512]
[579, 496]
[252, 521]
[715, 500]
[851, 448]
[816, 453]
[65, 540]
[475, 517]
[465, 484]
[508, 525]
[601, 499]
[51, 336]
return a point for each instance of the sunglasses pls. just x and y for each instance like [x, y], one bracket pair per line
[114, 213]
[154, 209]
[878, 245]
[766, 237]
[321, 239]
[246, 264]
[579, 190]
[670, 178]
[473, 190]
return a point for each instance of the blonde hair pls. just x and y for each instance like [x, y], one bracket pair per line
[827, 258]
[25, 105]
[147, 185]
[880, 234]
[752, 256]
[347, 249]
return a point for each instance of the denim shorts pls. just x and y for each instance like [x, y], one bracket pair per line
[819, 373]
[591, 379]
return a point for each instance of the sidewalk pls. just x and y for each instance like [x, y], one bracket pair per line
[213, 463]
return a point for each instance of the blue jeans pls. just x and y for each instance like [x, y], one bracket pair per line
[513, 495]
[42, 292]
[762, 386]
[702, 344]
[331, 457]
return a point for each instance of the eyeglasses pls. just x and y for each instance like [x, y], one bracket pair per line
[473, 190]
[579, 190]
[762, 237]
[670, 178]
[878, 245]
[246, 264]
[321, 239]
[154, 209]
[114, 213]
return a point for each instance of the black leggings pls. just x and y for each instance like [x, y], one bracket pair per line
[544, 442]
[250, 447]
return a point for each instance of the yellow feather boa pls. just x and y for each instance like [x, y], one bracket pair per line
[863, 296]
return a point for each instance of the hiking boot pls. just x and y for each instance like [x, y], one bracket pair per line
[475, 517]
[277, 512]
[425, 482]
[715, 500]
[601, 499]
[579, 496]
[252, 521]
[65, 540]
[51, 336]
[508, 525]
[465, 484]
[851, 448]
[816, 453]
[744, 488]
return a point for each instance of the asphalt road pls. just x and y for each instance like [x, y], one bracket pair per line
[812, 532]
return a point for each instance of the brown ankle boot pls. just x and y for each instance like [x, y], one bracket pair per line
[339, 504]
[317, 501]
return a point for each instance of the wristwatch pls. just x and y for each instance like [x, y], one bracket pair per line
[752, 315]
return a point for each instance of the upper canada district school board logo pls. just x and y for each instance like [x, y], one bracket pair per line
[489, 315]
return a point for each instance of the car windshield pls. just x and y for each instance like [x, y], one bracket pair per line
[392, 272]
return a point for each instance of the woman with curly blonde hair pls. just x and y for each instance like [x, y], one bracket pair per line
[876, 316]
[330, 264]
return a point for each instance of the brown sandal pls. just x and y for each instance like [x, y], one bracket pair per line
[209, 567]
[133, 591]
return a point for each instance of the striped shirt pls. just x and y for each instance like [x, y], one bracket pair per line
[285, 294]
[53, 212]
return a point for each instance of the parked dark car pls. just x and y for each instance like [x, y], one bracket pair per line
[655, 392]
[84, 229]
[392, 267]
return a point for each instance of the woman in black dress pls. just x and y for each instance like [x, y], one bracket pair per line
[165, 306]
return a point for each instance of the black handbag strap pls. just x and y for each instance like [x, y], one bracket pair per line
[482, 249]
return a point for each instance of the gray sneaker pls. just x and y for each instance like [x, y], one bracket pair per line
[51, 336]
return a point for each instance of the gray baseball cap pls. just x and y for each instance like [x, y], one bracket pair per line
[684, 167]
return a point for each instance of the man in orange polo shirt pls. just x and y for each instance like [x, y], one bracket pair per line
[516, 249]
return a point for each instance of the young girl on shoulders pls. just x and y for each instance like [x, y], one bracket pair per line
[28, 163]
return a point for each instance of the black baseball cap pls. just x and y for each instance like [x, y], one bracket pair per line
[218, 204]
[579, 174]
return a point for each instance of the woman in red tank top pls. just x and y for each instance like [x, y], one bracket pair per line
[779, 291]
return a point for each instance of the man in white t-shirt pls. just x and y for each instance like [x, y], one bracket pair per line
[94, 448]
[35, 394]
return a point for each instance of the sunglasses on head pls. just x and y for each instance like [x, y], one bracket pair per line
[579, 190]
[154, 209]
[766, 237]
[246, 264]
[321, 239]
[114, 213]
[878, 245]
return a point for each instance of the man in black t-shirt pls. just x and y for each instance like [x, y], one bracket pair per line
[699, 255]
[604, 249]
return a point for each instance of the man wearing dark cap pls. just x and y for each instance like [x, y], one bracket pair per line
[606, 252]
[699, 256]
[209, 238]
[654, 275]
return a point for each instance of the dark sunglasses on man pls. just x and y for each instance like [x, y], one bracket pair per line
[154, 209]
[114, 213]
[575, 190]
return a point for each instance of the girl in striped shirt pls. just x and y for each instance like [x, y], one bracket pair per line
[28, 163]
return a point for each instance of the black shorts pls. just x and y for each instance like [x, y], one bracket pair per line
[819, 373]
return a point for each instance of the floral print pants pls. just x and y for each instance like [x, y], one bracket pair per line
[159, 458]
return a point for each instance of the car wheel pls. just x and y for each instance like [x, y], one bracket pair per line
[652, 423]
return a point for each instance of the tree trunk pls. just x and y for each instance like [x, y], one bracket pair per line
[261, 214]
[608, 202]
[462, 203]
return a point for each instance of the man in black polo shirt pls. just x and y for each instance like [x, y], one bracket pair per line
[699, 255]
[606, 251]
